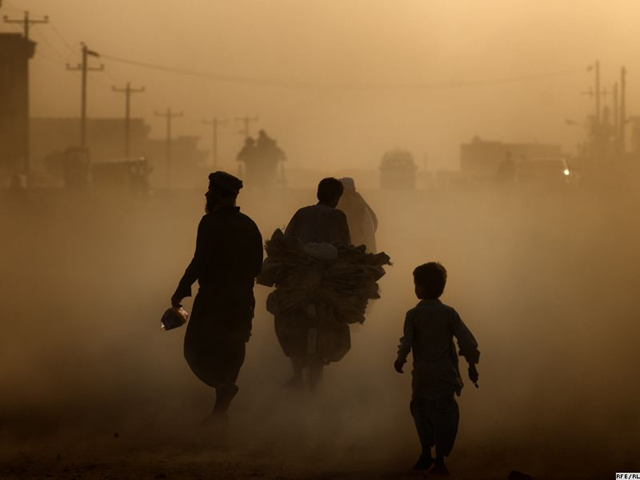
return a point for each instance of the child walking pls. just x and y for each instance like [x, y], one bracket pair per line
[429, 329]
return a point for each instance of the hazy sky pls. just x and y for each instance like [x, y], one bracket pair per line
[348, 42]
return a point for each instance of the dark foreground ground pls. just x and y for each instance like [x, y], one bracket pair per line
[91, 389]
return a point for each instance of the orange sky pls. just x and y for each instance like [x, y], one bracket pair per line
[345, 42]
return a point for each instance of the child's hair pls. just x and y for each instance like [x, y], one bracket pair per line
[432, 277]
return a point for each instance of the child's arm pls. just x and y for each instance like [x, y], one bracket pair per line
[473, 374]
[468, 346]
[406, 342]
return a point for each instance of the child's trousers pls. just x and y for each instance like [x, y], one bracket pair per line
[437, 423]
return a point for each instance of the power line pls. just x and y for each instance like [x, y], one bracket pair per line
[48, 59]
[42, 37]
[9, 6]
[292, 84]
[64, 40]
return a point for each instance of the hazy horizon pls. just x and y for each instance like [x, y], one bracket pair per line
[348, 43]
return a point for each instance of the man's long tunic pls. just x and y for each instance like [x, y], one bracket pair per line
[227, 259]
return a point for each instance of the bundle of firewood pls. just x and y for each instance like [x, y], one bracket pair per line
[342, 277]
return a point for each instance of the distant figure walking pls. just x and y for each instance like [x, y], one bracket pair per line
[429, 329]
[247, 151]
[363, 222]
[261, 159]
[227, 259]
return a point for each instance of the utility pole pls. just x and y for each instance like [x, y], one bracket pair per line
[597, 81]
[616, 105]
[127, 113]
[26, 23]
[246, 122]
[169, 115]
[616, 128]
[623, 109]
[84, 68]
[214, 130]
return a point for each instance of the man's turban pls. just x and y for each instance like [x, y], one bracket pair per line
[225, 182]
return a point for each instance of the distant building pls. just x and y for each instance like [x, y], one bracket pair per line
[482, 158]
[15, 52]
[105, 141]
[105, 136]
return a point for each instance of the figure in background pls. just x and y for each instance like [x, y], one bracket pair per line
[362, 220]
[227, 259]
[429, 329]
[261, 160]
[246, 154]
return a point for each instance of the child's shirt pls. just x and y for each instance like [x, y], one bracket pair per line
[429, 329]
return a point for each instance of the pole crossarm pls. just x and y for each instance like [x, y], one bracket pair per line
[127, 89]
[169, 114]
[26, 22]
[85, 52]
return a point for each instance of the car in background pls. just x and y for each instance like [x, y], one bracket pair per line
[398, 170]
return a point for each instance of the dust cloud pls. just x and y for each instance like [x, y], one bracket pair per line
[546, 282]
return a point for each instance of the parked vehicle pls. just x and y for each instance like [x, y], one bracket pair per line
[398, 170]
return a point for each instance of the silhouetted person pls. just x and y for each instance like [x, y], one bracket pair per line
[320, 223]
[429, 329]
[268, 148]
[248, 150]
[227, 259]
[262, 166]
[362, 220]
[246, 155]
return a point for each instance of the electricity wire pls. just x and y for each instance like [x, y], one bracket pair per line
[289, 84]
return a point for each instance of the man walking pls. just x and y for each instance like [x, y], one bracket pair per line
[227, 259]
